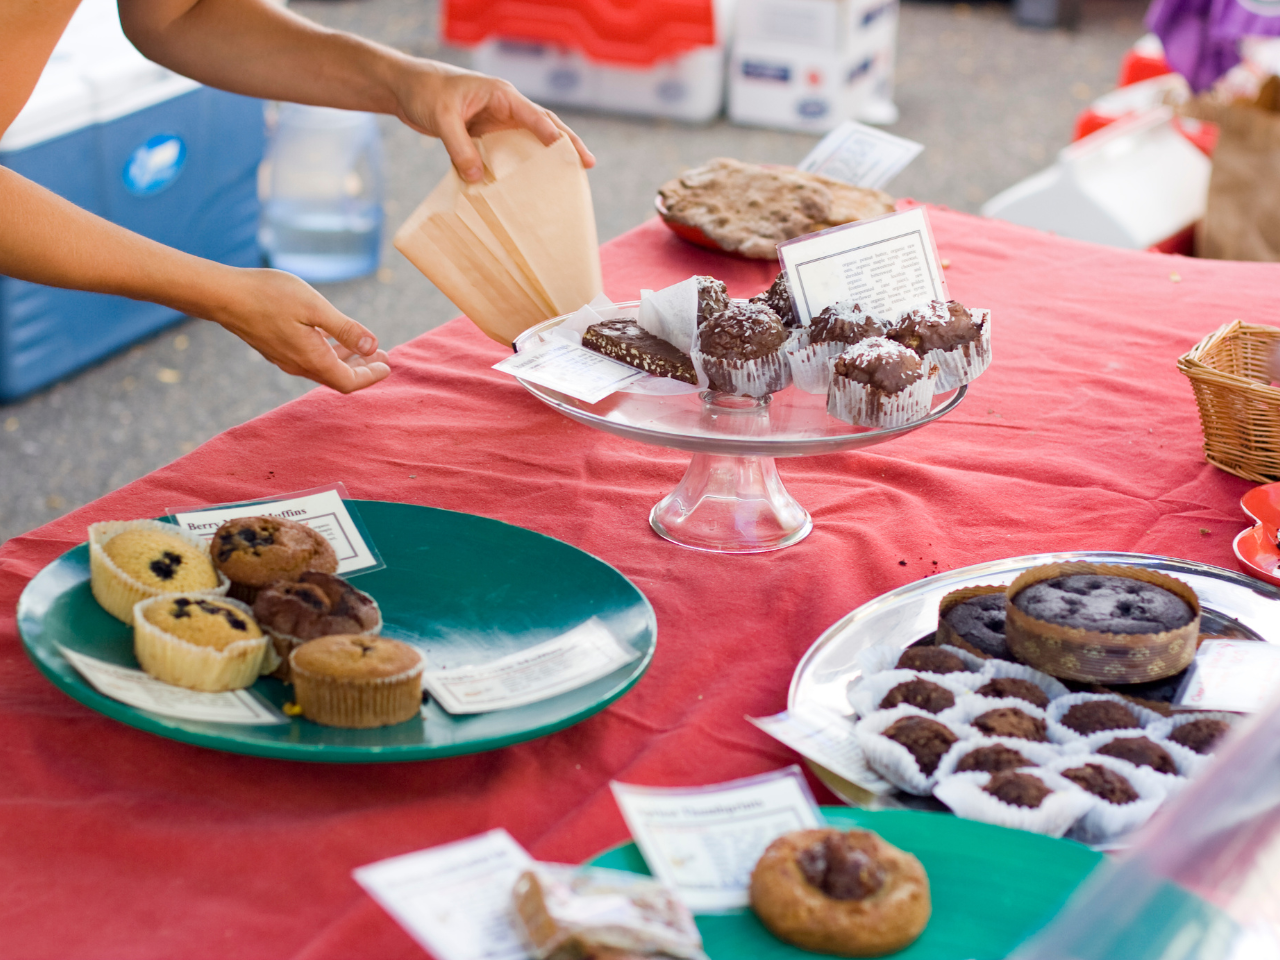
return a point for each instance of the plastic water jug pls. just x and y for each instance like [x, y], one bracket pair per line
[322, 185]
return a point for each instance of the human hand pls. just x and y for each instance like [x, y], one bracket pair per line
[289, 323]
[455, 105]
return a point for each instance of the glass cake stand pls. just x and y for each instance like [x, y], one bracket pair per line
[731, 499]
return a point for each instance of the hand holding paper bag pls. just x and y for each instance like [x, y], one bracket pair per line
[517, 248]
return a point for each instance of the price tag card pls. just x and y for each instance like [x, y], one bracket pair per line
[455, 899]
[324, 509]
[887, 264]
[826, 738]
[1234, 675]
[861, 155]
[145, 692]
[703, 842]
[570, 368]
[587, 652]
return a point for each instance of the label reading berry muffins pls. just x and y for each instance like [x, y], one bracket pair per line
[327, 510]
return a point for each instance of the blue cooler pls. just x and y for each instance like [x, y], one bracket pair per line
[142, 147]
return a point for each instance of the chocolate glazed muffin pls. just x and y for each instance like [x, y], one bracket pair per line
[256, 551]
[1094, 716]
[936, 326]
[778, 299]
[927, 696]
[1011, 722]
[1102, 782]
[844, 323]
[926, 740]
[992, 759]
[740, 350]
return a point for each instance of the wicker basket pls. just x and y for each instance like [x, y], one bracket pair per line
[1239, 409]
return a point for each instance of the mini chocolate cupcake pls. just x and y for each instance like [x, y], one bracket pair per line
[1093, 716]
[928, 696]
[1014, 687]
[740, 350]
[1011, 722]
[1017, 789]
[1102, 782]
[931, 660]
[879, 383]
[926, 740]
[254, 552]
[1141, 752]
[948, 336]
[1201, 735]
[992, 758]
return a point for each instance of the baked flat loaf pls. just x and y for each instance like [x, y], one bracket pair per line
[750, 209]
[627, 341]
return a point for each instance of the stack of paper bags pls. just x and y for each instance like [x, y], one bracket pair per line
[517, 248]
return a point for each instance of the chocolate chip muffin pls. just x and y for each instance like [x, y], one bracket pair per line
[1102, 782]
[254, 552]
[1200, 735]
[1015, 687]
[992, 758]
[1093, 716]
[1011, 722]
[931, 660]
[927, 696]
[1017, 789]
[315, 605]
[926, 740]
[1141, 752]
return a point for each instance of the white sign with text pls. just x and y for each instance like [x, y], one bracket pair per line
[1235, 675]
[571, 369]
[861, 155]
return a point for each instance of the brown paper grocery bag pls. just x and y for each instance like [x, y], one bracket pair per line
[517, 248]
[1242, 220]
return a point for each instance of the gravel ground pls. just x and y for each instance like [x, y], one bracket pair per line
[991, 102]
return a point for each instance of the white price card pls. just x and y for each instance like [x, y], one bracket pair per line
[703, 842]
[570, 368]
[323, 509]
[145, 692]
[455, 899]
[887, 264]
[826, 738]
[587, 652]
[861, 155]
[1235, 675]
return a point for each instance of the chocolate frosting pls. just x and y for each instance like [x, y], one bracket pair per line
[936, 326]
[841, 867]
[885, 365]
[742, 332]
[844, 322]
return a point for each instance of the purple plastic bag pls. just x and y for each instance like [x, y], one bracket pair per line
[1202, 37]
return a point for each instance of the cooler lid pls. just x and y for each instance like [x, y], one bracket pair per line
[633, 32]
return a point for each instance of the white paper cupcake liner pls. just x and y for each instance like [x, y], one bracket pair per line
[1106, 822]
[971, 706]
[1166, 725]
[862, 405]
[196, 667]
[811, 362]
[892, 760]
[116, 591]
[745, 378]
[884, 656]
[865, 696]
[1038, 753]
[1057, 813]
[998, 669]
[1060, 705]
[1188, 762]
[963, 363]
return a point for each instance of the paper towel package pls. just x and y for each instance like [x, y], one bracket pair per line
[138, 145]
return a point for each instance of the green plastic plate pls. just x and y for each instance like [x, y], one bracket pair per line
[464, 589]
[991, 887]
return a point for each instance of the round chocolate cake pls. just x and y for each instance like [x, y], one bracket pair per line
[979, 621]
[1105, 604]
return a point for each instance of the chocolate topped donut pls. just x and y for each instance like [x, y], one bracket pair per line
[1093, 716]
[1015, 687]
[1017, 789]
[882, 364]
[931, 660]
[742, 332]
[1141, 752]
[1102, 782]
[1011, 722]
[992, 759]
[928, 696]
[926, 740]
[1104, 603]
[1200, 735]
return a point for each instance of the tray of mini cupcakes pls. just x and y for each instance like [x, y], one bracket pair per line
[874, 371]
[1007, 715]
[263, 598]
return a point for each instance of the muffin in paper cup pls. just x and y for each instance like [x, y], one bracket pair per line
[119, 592]
[891, 759]
[1187, 763]
[863, 405]
[357, 681]
[972, 706]
[1106, 822]
[1059, 707]
[994, 669]
[884, 656]
[810, 363]
[745, 378]
[1057, 813]
[1037, 754]
[206, 658]
[1166, 726]
[865, 696]
[322, 604]
[964, 363]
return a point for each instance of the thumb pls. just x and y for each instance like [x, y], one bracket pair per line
[354, 336]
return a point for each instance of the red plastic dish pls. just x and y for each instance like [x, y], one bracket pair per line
[1255, 548]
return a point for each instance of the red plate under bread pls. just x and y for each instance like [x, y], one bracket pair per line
[1255, 548]
[693, 234]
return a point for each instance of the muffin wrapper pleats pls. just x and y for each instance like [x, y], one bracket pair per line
[994, 669]
[115, 590]
[1057, 813]
[811, 363]
[863, 405]
[359, 704]
[969, 707]
[964, 363]
[744, 378]
[1038, 753]
[183, 664]
[1105, 822]
[891, 759]
[1166, 725]
[1146, 718]
[865, 696]
[884, 656]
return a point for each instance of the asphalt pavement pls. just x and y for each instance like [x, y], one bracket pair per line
[992, 103]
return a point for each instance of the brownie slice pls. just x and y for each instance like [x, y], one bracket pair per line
[627, 341]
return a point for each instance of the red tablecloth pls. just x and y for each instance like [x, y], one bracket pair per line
[1082, 435]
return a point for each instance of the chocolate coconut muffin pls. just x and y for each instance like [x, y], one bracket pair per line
[778, 299]
[1141, 752]
[979, 621]
[844, 322]
[1017, 789]
[879, 383]
[936, 326]
[1200, 735]
[626, 341]
[881, 365]
[931, 660]
[1093, 716]
[1102, 782]
[1011, 722]
[925, 695]
[713, 298]
[992, 758]
[926, 740]
[739, 349]
[1015, 687]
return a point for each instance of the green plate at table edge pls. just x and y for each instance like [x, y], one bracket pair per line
[1063, 865]
[70, 682]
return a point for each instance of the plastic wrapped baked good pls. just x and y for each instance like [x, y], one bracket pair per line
[566, 913]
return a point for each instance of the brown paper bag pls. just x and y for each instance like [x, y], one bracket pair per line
[517, 248]
[1242, 220]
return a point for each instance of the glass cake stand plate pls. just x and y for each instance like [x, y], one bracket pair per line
[1233, 605]
[731, 499]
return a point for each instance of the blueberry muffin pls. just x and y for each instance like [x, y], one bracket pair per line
[254, 552]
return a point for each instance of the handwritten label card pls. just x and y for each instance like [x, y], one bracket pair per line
[887, 264]
[145, 692]
[587, 652]
[1235, 675]
[454, 899]
[569, 368]
[703, 842]
[322, 510]
[861, 155]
